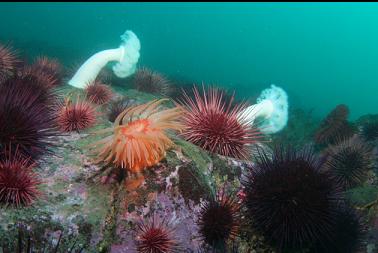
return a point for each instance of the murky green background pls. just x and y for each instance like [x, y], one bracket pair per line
[323, 54]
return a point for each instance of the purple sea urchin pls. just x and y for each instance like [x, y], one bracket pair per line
[219, 221]
[349, 162]
[118, 106]
[26, 121]
[290, 201]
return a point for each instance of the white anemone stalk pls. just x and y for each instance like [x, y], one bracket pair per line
[272, 107]
[126, 58]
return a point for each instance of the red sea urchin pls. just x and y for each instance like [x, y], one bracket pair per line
[156, 236]
[76, 116]
[8, 62]
[215, 125]
[98, 93]
[18, 183]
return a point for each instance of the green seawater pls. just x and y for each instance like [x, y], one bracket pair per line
[322, 54]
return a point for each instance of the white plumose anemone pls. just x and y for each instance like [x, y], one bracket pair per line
[126, 56]
[272, 106]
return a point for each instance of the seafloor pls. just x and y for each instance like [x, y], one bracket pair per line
[83, 206]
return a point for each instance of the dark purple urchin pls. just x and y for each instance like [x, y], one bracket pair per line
[26, 121]
[289, 200]
[18, 183]
[118, 106]
[369, 131]
[8, 62]
[349, 162]
[335, 127]
[219, 221]
[215, 124]
[155, 236]
[348, 234]
[150, 81]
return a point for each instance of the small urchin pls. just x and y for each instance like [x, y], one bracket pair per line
[150, 81]
[18, 183]
[289, 200]
[219, 221]
[156, 236]
[98, 93]
[118, 106]
[215, 124]
[369, 131]
[50, 68]
[76, 116]
[349, 162]
[8, 62]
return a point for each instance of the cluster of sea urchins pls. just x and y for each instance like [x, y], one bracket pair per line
[28, 128]
[215, 124]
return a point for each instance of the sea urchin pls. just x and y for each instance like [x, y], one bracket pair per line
[156, 236]
[219, 221]
[349, 162]
[98, 93]
[118, 106]
[150, 81]
[18, 183]
[8, 62]
[26, 120]
[215, 125]
[76, 116]
[290, 201]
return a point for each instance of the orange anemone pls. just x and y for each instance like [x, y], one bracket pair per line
[139, 138]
